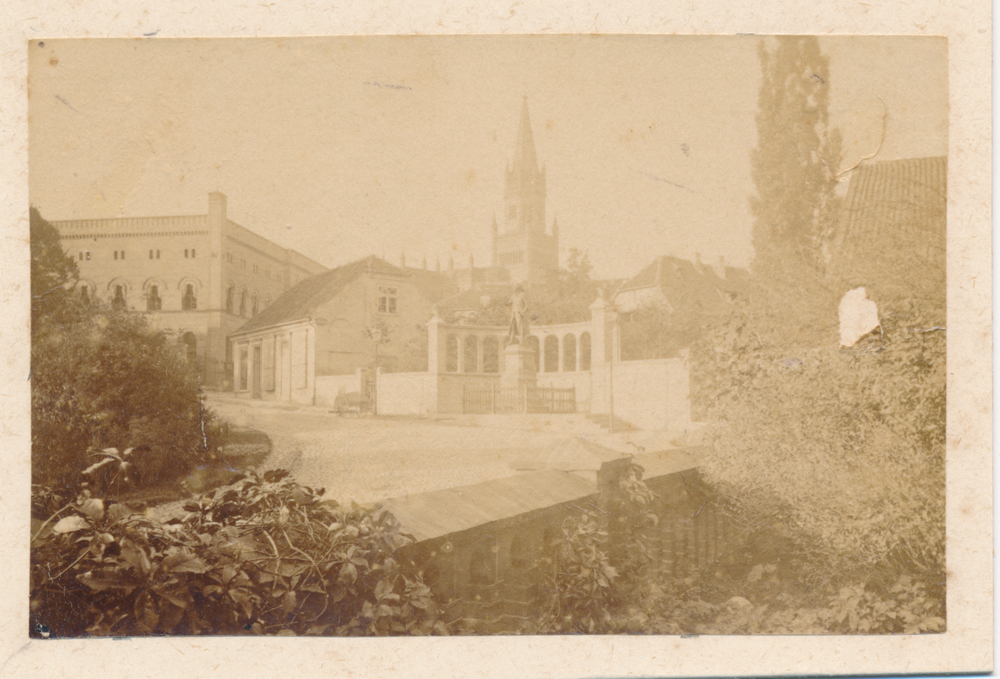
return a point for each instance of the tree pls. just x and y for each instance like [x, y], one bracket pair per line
[839, 452]
[795, 162]
[53, 273]
[100, 378]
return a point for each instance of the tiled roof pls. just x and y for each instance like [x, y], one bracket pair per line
[299, 301]
[897, 200]
[685, 284]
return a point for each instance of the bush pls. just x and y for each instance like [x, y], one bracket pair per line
[600, 563]
[266, 556]
[841, 450]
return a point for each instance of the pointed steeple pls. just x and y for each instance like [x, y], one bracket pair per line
[525, 158]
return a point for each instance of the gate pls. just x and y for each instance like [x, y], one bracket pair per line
[484, 399]
[551, 400]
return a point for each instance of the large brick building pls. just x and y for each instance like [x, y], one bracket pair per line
[199, 277]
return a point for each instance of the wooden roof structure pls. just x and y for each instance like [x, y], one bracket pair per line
[435, 514]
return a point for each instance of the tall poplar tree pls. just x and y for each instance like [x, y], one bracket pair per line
[795, 162]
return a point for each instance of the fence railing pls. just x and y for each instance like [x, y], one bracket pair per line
[484, 399]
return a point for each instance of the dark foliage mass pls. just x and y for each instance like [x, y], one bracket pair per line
[839, 451]
[263, 556]
[101, 378]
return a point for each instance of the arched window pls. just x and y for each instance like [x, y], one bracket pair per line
[451, 354]
[253, 310]
[471, 354]
[569, 353]
[191, 347]
[551, 354]
[118, 301]
[189, 302]
[229, 299]
[585, 351]
[491, 354]
[533, 343]
[479, 568]
[243, 304]
[153, 301]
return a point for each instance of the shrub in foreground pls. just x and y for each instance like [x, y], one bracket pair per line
[264, 556]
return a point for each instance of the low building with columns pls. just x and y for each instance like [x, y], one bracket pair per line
[197, 277]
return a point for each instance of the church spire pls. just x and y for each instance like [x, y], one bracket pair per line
[525, 158]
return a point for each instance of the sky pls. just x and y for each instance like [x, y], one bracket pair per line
[344, 147]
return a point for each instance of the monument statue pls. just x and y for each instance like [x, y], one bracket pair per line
[518, 317]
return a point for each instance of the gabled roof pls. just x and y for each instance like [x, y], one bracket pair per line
[298, 302]
[686, 284]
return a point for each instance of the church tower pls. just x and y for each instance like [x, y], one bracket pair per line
[522, 245]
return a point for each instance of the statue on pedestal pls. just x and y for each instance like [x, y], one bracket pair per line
[518, 317]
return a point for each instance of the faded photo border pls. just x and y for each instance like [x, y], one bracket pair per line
[966, 647]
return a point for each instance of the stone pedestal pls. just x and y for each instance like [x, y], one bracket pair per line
[518, 368]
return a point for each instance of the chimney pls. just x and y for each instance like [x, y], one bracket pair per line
[402, 260]
[439, 264]
[216, 209]
[424, 262]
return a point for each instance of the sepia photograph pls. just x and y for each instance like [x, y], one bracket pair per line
[488, 335]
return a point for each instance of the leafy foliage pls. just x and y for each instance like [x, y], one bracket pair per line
[265, 556]
[101, 377]
[839, 451]
[809, 438]
[600, 562]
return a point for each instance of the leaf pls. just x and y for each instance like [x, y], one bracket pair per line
[70, 524]
[241, 597]
[136, 556]
[93, 508]
[288, 602]
[348, 573]
[184, 561]
[382, 588]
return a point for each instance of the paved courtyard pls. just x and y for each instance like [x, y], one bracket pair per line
[368, 459]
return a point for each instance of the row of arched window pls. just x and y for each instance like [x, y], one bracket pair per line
[463, 354]
[247, 304]
[119, 294]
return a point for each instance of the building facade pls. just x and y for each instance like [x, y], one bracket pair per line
[197, 277]
[353, 319]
